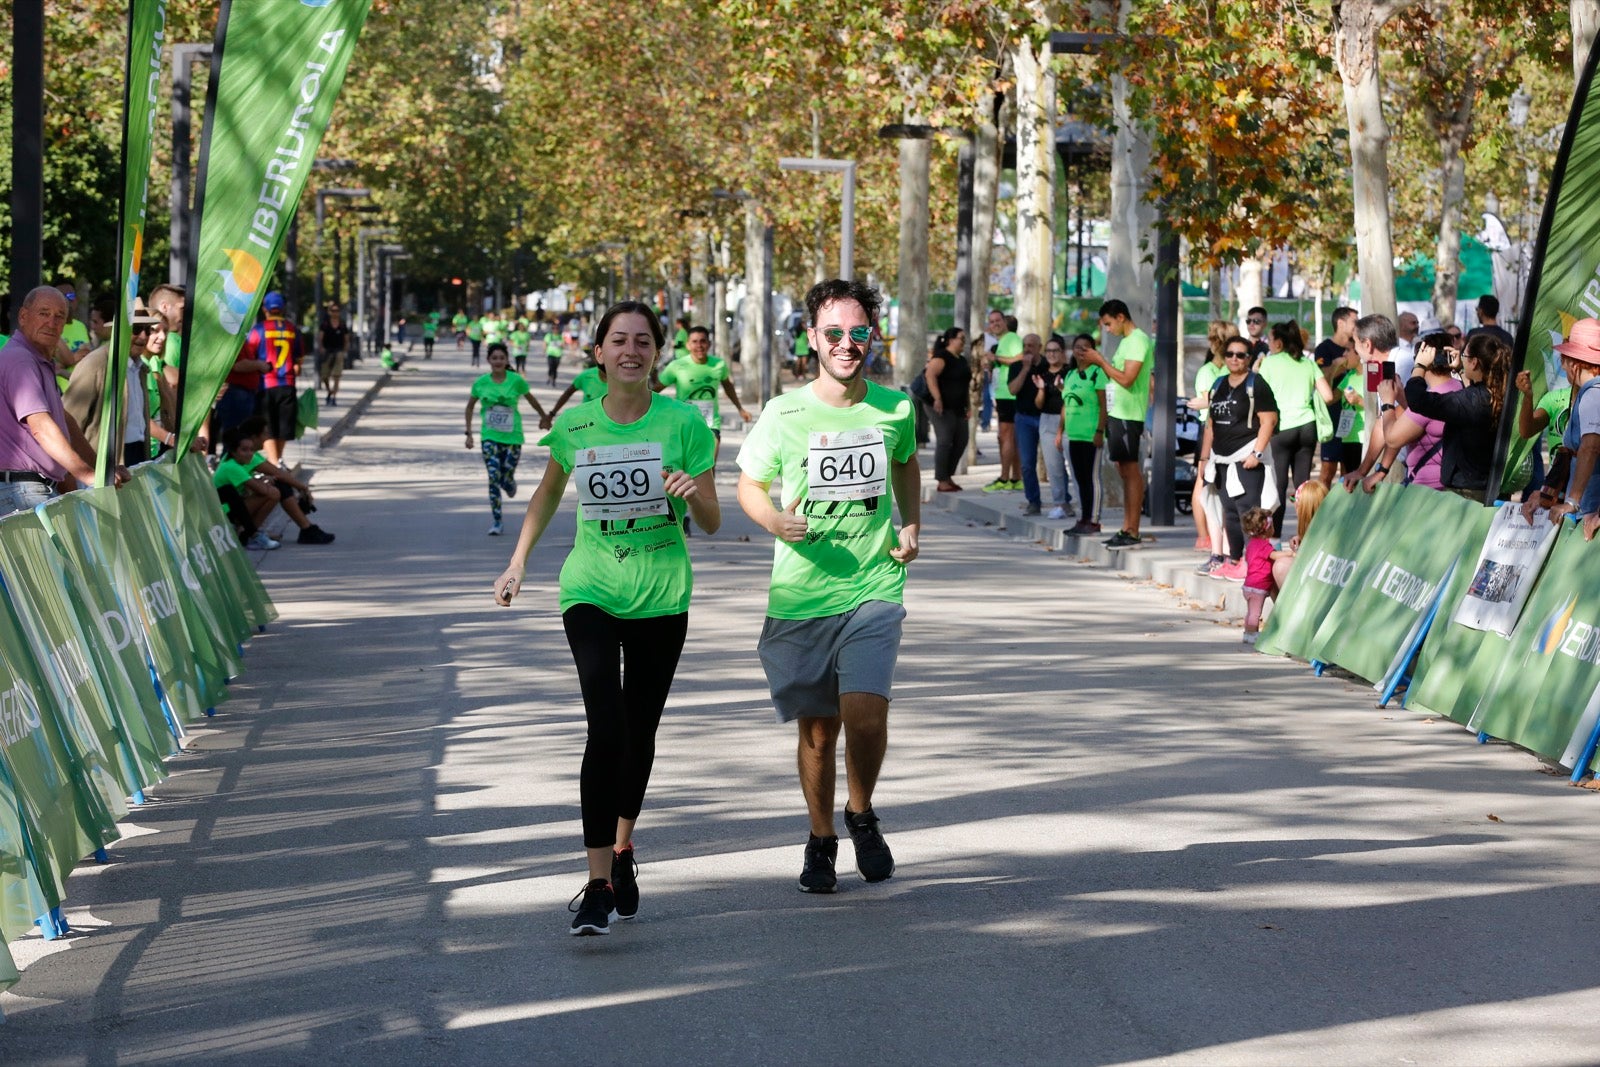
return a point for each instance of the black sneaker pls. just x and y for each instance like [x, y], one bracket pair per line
[625, 882]
[873, 858]
[315, 535]
[1122, 539]
[817, 875]
[594, 913]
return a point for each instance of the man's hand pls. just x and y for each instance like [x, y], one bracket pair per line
[1530, 506]
[1560, 510]
[744, 416]
[469, 440]
[790, 525]
[545, 422]
[908, 545]
[1591, 523]
[120, 477]
[1370, 482]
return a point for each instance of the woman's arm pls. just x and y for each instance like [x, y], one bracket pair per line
[472, 402]
[541, 509]
[1464, 407]
[931, 376]
[699, 492]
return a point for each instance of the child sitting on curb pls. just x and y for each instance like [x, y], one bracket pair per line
[238, 470]
[1307, 499]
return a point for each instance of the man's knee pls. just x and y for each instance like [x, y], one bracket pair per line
[819, 732]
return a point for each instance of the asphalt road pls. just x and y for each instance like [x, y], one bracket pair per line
[1120, 837]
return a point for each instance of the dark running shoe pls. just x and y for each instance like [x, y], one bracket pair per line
[817, 875]
[315, 535]
[1122, 539]
[625, 882]
[594, 913]
[873, 858]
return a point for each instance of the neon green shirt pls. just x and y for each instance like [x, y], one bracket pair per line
[1130, 402]
[1358, 411]
[632, 568]
[459, 321]
[231, 472]
[475, 330]
[520, 339]
[1080, 402]
[1294, 385]
[590, 384]
[76, 334]
[502, 417]
[1204, 379]
[802, 344]
[1006, 352]
[1558, 405]
[430, 326]
[844, 560]
[698, 385]
[493, 330]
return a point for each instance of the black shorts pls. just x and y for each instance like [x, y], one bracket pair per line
[1345, 453]
[1123, 437]
[1005, 410]
[280, 406]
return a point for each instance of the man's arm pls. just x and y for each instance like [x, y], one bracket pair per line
[733, 395]
[756, 500]
[1124, 377]
[907, 478]
[61, 447]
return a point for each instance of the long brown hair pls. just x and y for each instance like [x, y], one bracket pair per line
[1217, 335]
[1494, 360]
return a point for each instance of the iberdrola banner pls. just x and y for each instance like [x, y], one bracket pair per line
[147, 33]
[1564, 278]
[276, 68]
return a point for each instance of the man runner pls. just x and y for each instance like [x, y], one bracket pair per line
[835, 609]
[697, 377]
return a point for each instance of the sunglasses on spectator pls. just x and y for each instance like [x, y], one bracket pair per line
[1235, 353]
[859, 334]
[1256, 321]
[137, 330]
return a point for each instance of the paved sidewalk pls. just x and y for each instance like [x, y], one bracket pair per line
[1121, 838]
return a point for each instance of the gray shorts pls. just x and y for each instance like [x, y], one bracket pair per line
[809, 662]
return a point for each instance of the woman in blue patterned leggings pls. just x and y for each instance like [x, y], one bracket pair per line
[500, 390]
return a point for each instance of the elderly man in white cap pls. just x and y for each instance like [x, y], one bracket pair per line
[1580, 358]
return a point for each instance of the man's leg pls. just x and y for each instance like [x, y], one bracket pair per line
[1132, 494]
[865, 717]
[819, 739]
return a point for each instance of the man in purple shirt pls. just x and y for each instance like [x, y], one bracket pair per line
[39, 445]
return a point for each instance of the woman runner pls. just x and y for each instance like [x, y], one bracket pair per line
[640, 461]
[500, 390]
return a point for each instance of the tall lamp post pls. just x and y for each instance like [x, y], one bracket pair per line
[1520, 104]
[27, 150]
[184, 58]
[847, 209]
[365, 320]
[322, 197]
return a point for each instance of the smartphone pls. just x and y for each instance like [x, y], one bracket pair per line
[1374, 375]
[1388, 370]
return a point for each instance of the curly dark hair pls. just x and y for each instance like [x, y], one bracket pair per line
[824, 293]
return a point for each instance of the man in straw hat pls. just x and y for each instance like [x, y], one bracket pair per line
[87, 388]
[1580, 358]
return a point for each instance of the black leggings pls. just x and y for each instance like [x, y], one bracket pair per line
[1085, 460]
[1234, 507]
[1292, 450]
[949, 441]
[623, 708]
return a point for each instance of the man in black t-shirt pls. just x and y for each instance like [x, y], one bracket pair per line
[334, 341]
[1489, 320]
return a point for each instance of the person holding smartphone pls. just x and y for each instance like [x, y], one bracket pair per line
[640, 461]
[1421, 437]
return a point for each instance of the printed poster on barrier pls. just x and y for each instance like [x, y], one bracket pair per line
[1512, 556]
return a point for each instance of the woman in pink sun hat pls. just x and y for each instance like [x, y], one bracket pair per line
[1580, 445]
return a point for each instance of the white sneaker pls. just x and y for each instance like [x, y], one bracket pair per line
[261, 542]
[1058, 513]
[494, 531]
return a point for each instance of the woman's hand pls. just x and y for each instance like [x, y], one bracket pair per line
[938, 407]
[1524, 383]
[508, 585]
[469, 440]
[679, 484]
[1370, 482]
[1251, 462]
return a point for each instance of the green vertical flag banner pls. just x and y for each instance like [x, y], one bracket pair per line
[1542, 691]
[1564, 279]
[1330, 559]
[1406, 566]
[277, 66]
[147, 26]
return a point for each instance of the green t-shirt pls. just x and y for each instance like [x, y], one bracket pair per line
[475, 330]
[1007, 349]
[493, 330]
[1130, 402]
[632, 568]
[590, 384]
[430, 327]
[1353, 379]
[698, 385]
[1204, 379]
[520, 339]
[1294, 386]
[76, 334]
[844, 560]
[802, 343]
[231, 472]
[1080, 402]
[459, 321]
[680, 342]
[1558, 405]
[502, 417]
[552, 344]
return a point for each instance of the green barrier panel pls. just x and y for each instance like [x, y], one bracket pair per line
[83, 527]
[159, 598]
[1407, 559]
[1540, 693]
[22, 898]
[242, 582]
[206, 574]
[9, 975]
[1329, 560]
[216, 624]
[63, 818]
[35, 576]
[1456, 663]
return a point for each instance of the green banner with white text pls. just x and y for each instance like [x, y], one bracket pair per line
[277, 68]
[147, 31]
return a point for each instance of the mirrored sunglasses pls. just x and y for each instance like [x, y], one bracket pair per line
[859, 334]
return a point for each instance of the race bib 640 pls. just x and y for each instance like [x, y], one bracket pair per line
[847, 465]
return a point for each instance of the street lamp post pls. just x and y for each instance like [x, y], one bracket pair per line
[322, 196]
[363, 307]
[847, 209]
[184, 58]
[27, 150]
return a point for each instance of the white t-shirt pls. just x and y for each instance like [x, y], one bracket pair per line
[1404, 355]
[134, 431]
